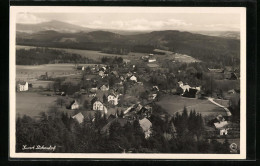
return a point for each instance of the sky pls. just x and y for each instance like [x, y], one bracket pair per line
[140, 21]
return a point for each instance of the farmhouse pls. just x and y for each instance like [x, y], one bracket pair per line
[74, 105]
[113, 99]
[22, 86]
[78, 117]
[146, 126]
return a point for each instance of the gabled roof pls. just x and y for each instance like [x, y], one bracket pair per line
[221, 125]
[21, 82]
[74, 102]
[145, 124]
[79, 117]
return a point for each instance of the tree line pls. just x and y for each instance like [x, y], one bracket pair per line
[180, 134]
[38, 56]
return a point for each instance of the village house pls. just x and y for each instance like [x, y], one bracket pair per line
[151, 60]
[152, 96]
[133, 78]
[115, 73]
[99, 106]
[78, 117]
[221, 125]
[113, 99]
[74, 105]
[155, 88]
[80, 68]
[104, 87]
[22, 86]
[184, 87]
[146, 126]
[126, 61]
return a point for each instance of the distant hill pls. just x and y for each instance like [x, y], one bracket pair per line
[54, 25]
[225, 34]
[202, 47]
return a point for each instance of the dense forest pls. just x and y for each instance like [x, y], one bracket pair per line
[38, 56]
[206, 48]
[181, 134]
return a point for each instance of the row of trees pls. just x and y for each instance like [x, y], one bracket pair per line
[58, 129]
[38, 56]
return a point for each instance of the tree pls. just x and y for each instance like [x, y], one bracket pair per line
[104, 99]
[86, 104]
[60, 101]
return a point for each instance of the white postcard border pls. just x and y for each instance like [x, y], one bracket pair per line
[59, 9]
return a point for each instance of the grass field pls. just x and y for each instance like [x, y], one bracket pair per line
[174, 103]
[31, 104]
[178, 57]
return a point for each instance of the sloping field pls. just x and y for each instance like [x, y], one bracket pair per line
[174, 103]
[31, 104]
[95, 55]
[179, 57]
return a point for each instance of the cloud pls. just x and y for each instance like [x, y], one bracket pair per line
[223, 26]
[28, 18]
[139, 24]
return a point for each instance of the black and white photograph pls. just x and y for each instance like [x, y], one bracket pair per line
[127, 82]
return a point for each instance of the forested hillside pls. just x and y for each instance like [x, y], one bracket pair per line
[205, 48]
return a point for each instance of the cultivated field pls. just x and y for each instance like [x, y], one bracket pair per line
[178, 57]
[173, 104]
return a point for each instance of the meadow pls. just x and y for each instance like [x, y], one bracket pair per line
[31, 104]
[178, 57]
[173, 104]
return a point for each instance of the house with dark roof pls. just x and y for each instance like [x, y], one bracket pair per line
[74, 105]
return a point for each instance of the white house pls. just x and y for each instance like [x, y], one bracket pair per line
[113, 99]
[98, 105]
[22, 86]
[75, 105]
[146, 126]
[184, 87]
[222, 127]
[79, 117]
[133, 78]
[102, 73]
[151, 60]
